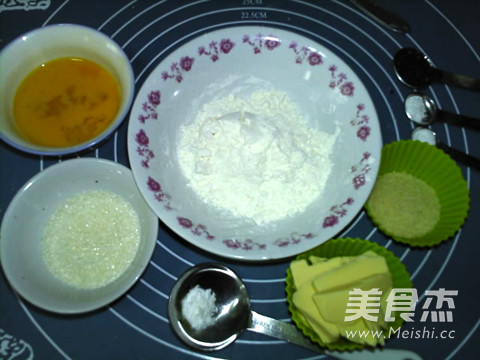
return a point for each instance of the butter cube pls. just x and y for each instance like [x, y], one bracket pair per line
[322, 294]
[316, 259]
[350, 273]
[303, 272]
[302, 299]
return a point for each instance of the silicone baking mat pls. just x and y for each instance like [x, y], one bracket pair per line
[136, 326]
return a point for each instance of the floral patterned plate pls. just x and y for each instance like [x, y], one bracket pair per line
[241, 60]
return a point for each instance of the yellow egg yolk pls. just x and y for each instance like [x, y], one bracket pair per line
[65, 102]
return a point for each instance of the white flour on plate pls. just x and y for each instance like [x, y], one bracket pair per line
[255, 157]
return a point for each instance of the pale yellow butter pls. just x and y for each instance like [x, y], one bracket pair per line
[323, 291]
[350, 273]
[303, 272]
[302, 299]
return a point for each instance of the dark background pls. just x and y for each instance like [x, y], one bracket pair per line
[136, 326]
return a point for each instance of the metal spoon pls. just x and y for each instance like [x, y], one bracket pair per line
[235, 316]
[429, 136]
[422, 110]
[383, 16]
[416, 70]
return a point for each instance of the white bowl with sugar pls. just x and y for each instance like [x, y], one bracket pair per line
[63, 249]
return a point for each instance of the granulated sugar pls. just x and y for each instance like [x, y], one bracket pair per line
[91, 239]
[255, 157]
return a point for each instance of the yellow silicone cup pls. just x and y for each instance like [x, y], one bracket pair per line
[430, 164]
[347, 247]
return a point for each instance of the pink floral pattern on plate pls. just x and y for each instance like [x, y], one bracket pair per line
[178, 69]
[337, 212]
[339, 80]
[158, 193]
[142, 140]
[214, 51]
[260, 42]
[143, 149]
[149, 107]
[196, 229]
[247, 244]
[293, 239]
[361, 123]
[314, 58]
[305, 53]
[360, 171]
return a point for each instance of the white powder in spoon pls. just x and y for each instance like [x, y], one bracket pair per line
[416, 109]
[255, 157]
[198, 307]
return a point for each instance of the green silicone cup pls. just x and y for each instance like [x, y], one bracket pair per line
[347, 247]
[430, 164]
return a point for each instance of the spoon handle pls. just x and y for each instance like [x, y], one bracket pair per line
[381, 15]
[457, 155]
[459, 120]
[280, 330]
[288, 332]
[458, 80]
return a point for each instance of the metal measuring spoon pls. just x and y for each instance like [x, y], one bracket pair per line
[416, 70]
[235, 316]
[422, 110]
[383, 16]
[429, 136]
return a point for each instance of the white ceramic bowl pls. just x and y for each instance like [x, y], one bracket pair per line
[242, 60]
[32, 49]
[28, 213]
